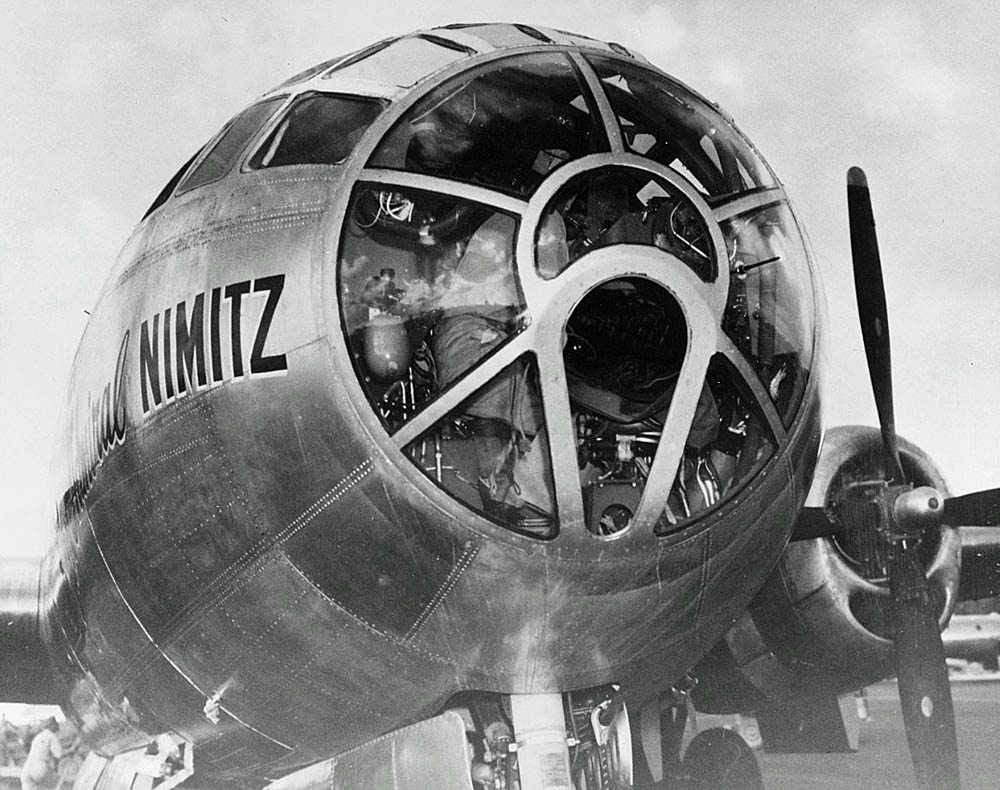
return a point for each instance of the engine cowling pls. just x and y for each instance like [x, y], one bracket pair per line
[822, 623]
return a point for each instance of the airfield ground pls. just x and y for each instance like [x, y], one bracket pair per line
[882, 761]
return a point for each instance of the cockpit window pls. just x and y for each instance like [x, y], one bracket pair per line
[428, 291]
[643, 363]
[730, 441]
[429, 294]
[502, 35]
[492, 451]
[506, 126]
[768, 315]
[617, 205]
[662, 120]
[168, 190]
[320, 128]
[311, 72]
[402, 61]
[230, 144]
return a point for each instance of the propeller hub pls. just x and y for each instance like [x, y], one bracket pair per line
[916, 509]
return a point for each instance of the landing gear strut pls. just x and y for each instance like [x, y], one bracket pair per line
[715, 759]
[593, 753]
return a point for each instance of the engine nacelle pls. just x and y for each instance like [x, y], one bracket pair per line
[822, 623]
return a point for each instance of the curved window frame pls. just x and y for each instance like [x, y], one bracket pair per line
[168, 190]
[390, 154]
[704, 147]
[785, 396]
[719, 205]
[274, 129]
[242, 138]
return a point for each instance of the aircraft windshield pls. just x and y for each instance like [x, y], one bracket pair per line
[556, 338]
[320, 128]
[770, 305]
[429, 292]
[505, 126]
[222, 155]
[663, 121]
[622, 206]
[407, 60]
[413, 261]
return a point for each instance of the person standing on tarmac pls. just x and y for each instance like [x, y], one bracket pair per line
[39, 769]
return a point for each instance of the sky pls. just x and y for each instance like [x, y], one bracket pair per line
[105, 100]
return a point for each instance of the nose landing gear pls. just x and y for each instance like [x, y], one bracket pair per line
[721, 760]
[715, 758]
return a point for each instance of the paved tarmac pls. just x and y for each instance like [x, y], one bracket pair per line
[882, 761]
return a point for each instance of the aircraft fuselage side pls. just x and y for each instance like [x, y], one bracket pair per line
[246, 556]
[244, 538]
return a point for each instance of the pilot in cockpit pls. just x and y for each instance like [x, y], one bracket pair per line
[505, 417]
[471, 284]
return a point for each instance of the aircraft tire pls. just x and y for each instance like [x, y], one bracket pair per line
[719, 759]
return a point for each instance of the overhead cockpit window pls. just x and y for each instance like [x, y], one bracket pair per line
[500, 35]
[168, 190]
[662, 120]
[402, 62]
[768, 315]
[230, 145]
[312, 71]
[505, 125]
[320, 128]
[618, 205]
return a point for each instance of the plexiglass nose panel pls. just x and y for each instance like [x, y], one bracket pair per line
[505, 126]
[492, 452]
[583, 316]
[770, 306]
[661, 120]
[618, 205]
[427, 289]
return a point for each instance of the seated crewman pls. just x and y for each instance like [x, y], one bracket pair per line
[479, 308]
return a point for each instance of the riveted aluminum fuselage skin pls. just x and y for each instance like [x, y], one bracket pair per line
[240, 539]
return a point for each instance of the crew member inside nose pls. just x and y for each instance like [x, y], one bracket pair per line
[505, 417]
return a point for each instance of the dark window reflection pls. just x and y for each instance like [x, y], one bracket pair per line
[770, 307]
[625, 344]
[506, 127]
[228, 147]
[319, 129]
[662, 120]
[622, 206]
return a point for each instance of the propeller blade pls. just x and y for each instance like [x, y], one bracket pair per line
[870, 292]
[979, 509]
[814, 522]
[924, 690]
